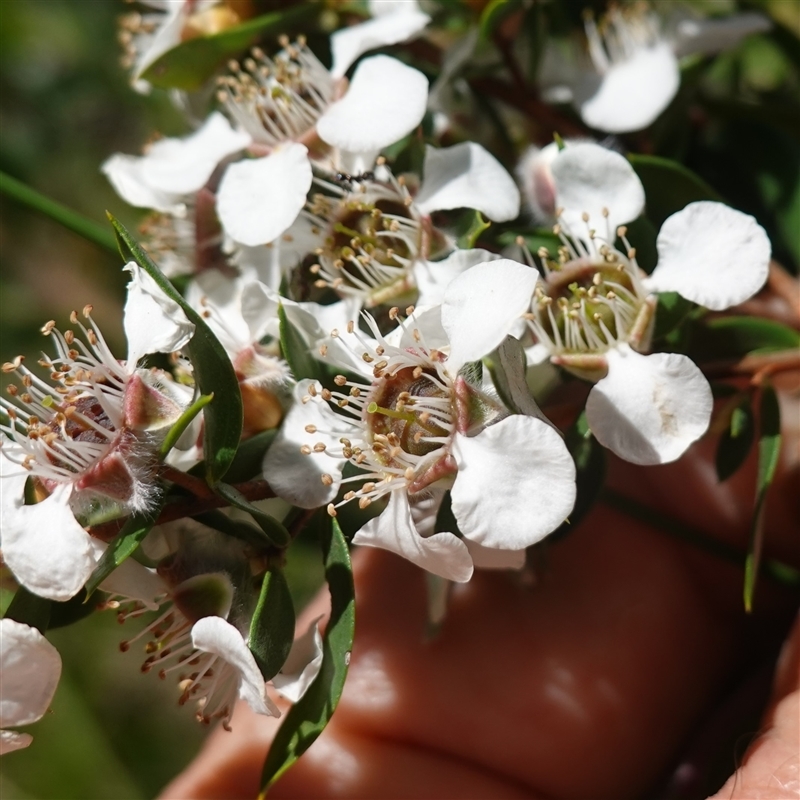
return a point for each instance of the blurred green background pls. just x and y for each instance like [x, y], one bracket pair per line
[66, 106]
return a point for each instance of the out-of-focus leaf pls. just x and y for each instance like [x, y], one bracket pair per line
[130, 537]
[213, 369]
[671, 311]
[272, 627]
[184, 421]
[735, 336]
[668, 186]
[642, 236]
[309, 716]
[250, 456]
[769, 448]
[445, 518]
[274, 530]
[534, 240]
[736, 441]
[74, 609]
[295, 350]
[469, 228]
[30, 609]
[494, 14]
[190, 64]
[590, 473]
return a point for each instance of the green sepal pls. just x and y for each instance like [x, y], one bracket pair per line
[736, 441]
[30, 609]
[134, 530]
[183, 422]
[469, 227]
[189, 65]
[668, 186]
[274, 530]
[590, 473]
[272, 627]
[295, 350]
[309, 716]
[213, 369]
[769, 448]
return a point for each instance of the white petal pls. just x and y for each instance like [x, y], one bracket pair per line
[166, 37]
[633, 92]
[44, 546]
[590, 178]
[260, 198]
[11, 741]
[385, 101]
[30, 668]
[183, 166]
[133, 581]
[433, 277]
[399, 24]
[708, 36]
[153, 322]
[442, 554]
[467, 176]
[649, 409]
[493, 558]
[125, 175]
[515, 483]
[215, 635]
[302, 666]
[294, 476]
[482, 306]
[712, 255]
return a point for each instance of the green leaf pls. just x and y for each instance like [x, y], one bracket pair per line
[493, 15]
[213, 369]
[272, 627]
[737, 336]
[736, 441]
[74, 609]
[590, 473]
[668, 186]
[30, 609]
[671, 311]
[642, 235]
[295, 350]
[238, 529]
[190, 64]
[127, 542]
[250, 457]
[445, 518]
[184, 421]
[469, 228]
[309, 716]
[535, 240]
[274, 530]
[72, 220]
[769, 448]
[508, 371]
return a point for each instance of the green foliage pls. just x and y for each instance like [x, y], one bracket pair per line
[738, 336]
[309, 716]
[295, 350]
[272, 626]
[736, 441]
[183, 422]
[29, 609]
[469, 228]
[275, 532]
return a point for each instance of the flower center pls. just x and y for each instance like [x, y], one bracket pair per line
[620, 34]
[281, 99]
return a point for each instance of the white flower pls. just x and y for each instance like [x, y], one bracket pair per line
[173, 170]
[411, 426]
[294, 110]
[30, 668]
[88, 438]
[593, 312]
[632, 72]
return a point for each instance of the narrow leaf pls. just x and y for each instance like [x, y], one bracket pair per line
[190, 64]
[272, 627]
[213, 369]
[125, 545]
[274, 530]
[184, 421]
[219, 521]
[671, 311]
[250, 457]
[736, 441]
[308, 717]
[295, 350]
[30, 609]
[72, 220]
[736, 336]
[769, 448]
[494, 14]
[469, 229]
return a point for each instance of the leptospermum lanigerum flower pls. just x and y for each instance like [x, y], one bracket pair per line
[631, 72]
[593, 311]
[87, 436]
[30, 668]
[414, 422]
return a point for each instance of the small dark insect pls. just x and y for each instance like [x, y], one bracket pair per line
[347, 180]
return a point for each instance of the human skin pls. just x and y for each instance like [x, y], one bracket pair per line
[585, 684]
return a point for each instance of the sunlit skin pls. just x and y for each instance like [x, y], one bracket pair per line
[586, 684]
